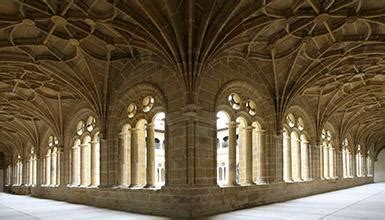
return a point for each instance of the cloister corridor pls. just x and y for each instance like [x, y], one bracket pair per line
[360, 202]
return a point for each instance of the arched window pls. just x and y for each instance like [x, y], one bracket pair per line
[240, 141]
[86, 154]
[328, 156]
[295, 150]
[240, 147]
[142, 148]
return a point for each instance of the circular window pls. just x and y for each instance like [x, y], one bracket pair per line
[50, 141]
[290, 119]
[300, 124]
[345, 142]
[147, 103]
[328, 135]
[80, 128]
[131, 110]
[91, 121]
[323, 134]
[235, 101]
[251, 107]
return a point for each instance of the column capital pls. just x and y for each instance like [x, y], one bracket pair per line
[261, 131]
[150, 125]
[133, 129]
[76, 147]
[84, 145]
[286, 137]
[122, 134]
[249, 128]
[232, 124]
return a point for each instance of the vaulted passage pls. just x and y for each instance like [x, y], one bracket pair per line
[190, 107]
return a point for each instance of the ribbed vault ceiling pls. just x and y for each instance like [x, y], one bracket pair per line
[54, 53]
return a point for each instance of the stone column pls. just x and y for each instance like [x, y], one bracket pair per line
[39, 170]
[16, 167]
[25, 172]
[298, 161]
[364, 167]
[354, 165]
[287, 158]
[106, 177]
[83, 170]
[58, 166]
[261, 157]
[13, 176]
[34, 171]
[134, 157]
[358, 165]
[348, 164]
[305, 162]
[232, 147]
[344, 164]
[331, 163]
[76, 168]
[42, 171]
[249, 154]
[30, 171]
[22, 173]
[339, 163]
[95, 158]
[150, 146]
[53, 168]
[326, 162]
[48, 170]
[124, 159]
[321, 161]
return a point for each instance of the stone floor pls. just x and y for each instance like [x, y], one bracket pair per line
[363, 202]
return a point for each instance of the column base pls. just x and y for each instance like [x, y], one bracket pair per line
[230, 184]
[248, 183]
[149, 186]
[261, 181]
